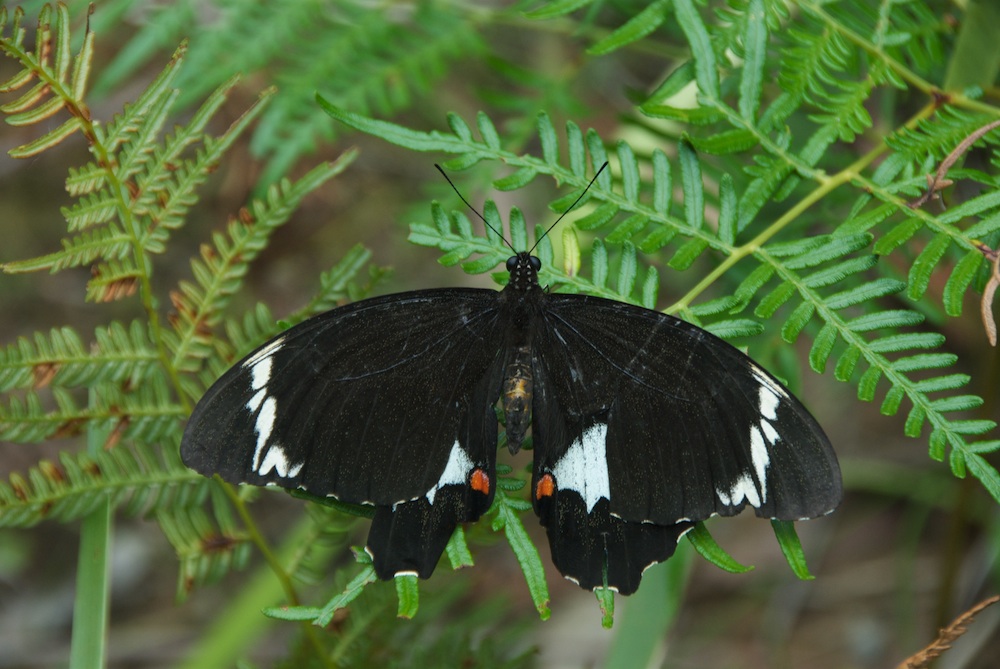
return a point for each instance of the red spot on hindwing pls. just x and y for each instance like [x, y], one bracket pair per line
[480, 481]
[545, 487]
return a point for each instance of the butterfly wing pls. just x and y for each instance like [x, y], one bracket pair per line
[668, 424]
[387, 402]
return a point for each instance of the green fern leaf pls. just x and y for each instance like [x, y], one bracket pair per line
[557, 8]
[754, 56]
[701, 48]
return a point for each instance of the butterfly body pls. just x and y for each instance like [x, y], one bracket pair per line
[641, 424]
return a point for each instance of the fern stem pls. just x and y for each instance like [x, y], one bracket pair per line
[142, 260]
[754, 246]
[258, 540]
[275, 564]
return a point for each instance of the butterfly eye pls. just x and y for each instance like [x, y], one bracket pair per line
[511, 263]
[536, 264]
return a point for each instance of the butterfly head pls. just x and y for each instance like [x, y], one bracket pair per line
[523, 270]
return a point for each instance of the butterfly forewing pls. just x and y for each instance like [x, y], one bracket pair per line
[364, 403]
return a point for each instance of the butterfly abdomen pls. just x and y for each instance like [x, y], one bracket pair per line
[517, 392]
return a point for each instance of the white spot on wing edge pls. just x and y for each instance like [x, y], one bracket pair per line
[271, 457]
[743, 488]
[768, 399]
[767, 382]
[402, 572]
[679, 537]
[455, 472]
[277, 460]
[584, 466]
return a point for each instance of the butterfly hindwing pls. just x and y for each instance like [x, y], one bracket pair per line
[667, 422]
[410, 537]
[595, 548]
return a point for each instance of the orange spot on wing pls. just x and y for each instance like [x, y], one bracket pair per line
[480, 482]
[545, 487]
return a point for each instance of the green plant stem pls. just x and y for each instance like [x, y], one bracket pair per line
[142, 261]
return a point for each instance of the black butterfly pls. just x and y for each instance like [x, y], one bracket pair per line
[642, 424]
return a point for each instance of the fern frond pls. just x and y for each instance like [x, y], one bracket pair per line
[61, 78]
[161, 182]
[397, 64]
[117, 355]
[91, 210]
[637, 27]
[207, 546]
[108, 241]
[145, 413]
[138, 479]
[554, 8]
[628, 208]
[220, 271]
[113, 280]
[337, 284]
[936, 137]
[166, 190]
[124, 127]
[914, 376]
[367, 60]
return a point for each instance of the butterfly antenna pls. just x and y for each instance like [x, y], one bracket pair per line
[473, 209]
[570, 208]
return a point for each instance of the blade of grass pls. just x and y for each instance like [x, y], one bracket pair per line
[88, 647]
